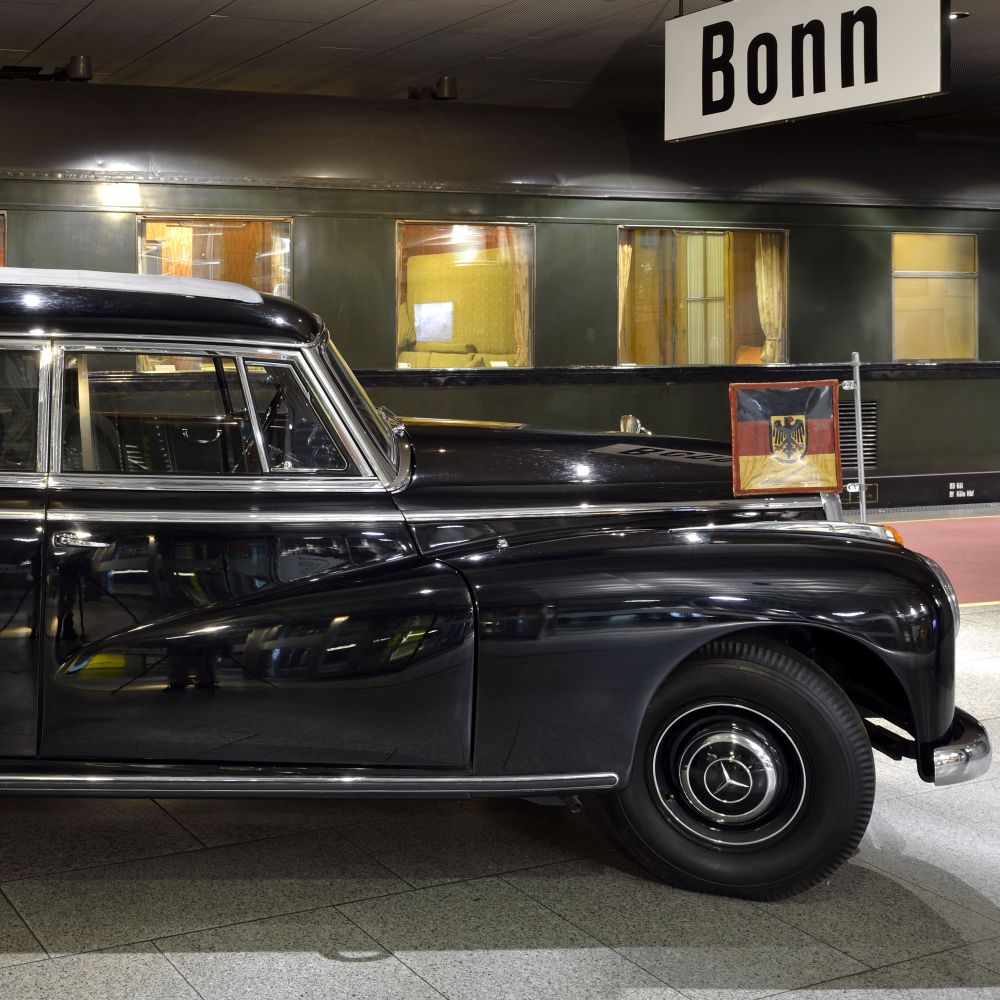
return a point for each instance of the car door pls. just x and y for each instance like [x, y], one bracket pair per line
[24, 375]
[229, 581]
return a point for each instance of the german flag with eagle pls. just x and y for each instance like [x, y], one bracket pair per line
[785, 437]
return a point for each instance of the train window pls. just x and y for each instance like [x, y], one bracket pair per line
[254, 252]
[19, 411]
[934, 294]
[146, 414]
[463, 295]
[701, 296]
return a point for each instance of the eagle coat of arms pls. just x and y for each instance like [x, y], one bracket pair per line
[788, 437]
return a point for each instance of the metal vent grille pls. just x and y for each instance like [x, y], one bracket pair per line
[869, 434]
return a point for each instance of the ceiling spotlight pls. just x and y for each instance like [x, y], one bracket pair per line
[957, 15]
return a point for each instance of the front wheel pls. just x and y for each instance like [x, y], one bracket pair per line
[752, 777]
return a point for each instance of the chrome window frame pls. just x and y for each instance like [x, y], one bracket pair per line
[330, 410]
[142, 217]
[258, 431]
[392, 477]
[10, 478]
[532, 285]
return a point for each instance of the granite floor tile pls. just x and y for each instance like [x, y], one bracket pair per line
[977, 683]
[947, 976]
[975, 798]
[705, 946]
[450, 841]
[317, 954]
[138, 900]
[977, 641]
[880, 920]
[484, 939]
[216, 822]
[139, 972]
[17, 943]
[959, 860]
[984, 953]
[43, 835]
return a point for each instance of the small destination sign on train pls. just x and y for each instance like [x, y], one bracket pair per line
[750, 62]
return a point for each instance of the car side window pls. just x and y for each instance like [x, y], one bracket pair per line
[18, 411]
[155, 414]
[295, 437]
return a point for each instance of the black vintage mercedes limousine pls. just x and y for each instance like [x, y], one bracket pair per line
[224, 572]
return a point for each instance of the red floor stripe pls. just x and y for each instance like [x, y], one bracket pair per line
[968, 548]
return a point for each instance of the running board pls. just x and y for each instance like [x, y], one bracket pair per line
[152, 781]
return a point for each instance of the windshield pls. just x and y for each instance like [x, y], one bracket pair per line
[376, 425]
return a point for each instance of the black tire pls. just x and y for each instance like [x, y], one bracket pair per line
[752, 777]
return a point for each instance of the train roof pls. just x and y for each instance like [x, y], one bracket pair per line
[167, 307]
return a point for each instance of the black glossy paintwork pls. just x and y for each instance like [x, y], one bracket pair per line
[20, 574]
[497, 633]
[529, 474]
[155, 314]
[576, 634]
[304, 643]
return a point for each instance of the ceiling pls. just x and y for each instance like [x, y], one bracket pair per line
[605, 54]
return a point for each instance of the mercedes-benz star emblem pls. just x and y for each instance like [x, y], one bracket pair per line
[728, 780]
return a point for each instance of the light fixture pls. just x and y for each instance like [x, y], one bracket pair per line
[957, 15]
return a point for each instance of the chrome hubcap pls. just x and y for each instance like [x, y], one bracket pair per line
[727, 774]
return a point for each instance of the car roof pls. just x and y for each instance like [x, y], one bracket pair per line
[163, 307]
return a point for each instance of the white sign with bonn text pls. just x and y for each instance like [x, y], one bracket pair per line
[749, 62]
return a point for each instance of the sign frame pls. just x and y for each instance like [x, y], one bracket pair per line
[944, 79]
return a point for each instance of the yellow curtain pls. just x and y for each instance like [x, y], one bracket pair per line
[624, 276]
[770, 271]
[513, 242]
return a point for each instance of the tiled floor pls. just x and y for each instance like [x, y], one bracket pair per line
[242, 900]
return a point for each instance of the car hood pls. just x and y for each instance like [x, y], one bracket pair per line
[496, 464]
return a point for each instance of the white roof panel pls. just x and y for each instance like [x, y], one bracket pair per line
[158, 284]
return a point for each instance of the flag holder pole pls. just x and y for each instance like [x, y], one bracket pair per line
[854, 385]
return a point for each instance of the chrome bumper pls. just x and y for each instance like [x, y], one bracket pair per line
[966, 757]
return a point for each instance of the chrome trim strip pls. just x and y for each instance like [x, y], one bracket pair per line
[23, 481]
[32, 514]
[402, 477]
[56, 410]
[833, 509]
[251, 408]
[195, 343]
[305, 484]
[965, 759]
[869, 532]
[598, 509]
[44, 407]
[237, 519]
[300, 784]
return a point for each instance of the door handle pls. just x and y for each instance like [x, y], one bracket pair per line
[78, 540]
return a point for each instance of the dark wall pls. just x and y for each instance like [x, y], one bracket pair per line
[101, 241]
[840, 294]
